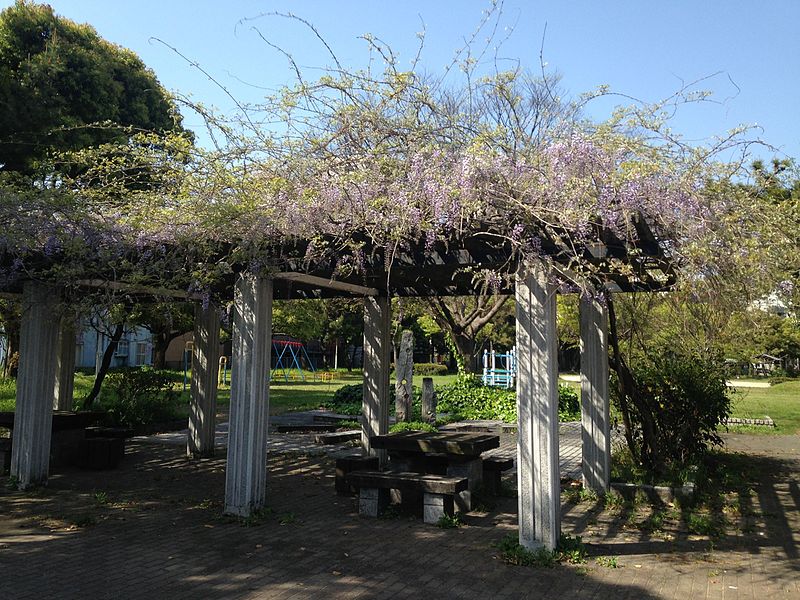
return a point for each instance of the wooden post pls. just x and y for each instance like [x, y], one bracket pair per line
[428, 400]
[377, 347]
[246, 472]
[205, 379]
[595, 415]
[404, 376]
[537, 409]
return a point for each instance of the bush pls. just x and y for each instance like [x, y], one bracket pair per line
[412, 426]
[569, 405]
[348, 400]
[686, 399]
[139, 396]
[468, 398]
[429, 369]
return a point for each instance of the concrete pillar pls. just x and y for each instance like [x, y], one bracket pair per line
[595, 416]
[205, 375]
[36, 378]
[65, 364]
[404, 376]
[377, 346]
[246, 472]
[537, 407]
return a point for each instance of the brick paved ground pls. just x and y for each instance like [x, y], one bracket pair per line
[153, 529]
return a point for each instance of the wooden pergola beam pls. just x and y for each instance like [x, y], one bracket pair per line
[358, 290]
[132, 288]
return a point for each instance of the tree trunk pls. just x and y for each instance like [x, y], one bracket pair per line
[11, 324]
[648, 455]
[160, 345]
[465, 346]
[104, 366]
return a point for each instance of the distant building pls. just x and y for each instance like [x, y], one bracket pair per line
[135, 349]
[771, 304]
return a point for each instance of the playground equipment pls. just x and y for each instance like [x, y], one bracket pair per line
[288, 356]
[500, 370]
[223, 368]
[187, 362]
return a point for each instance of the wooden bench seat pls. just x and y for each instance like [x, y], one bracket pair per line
[493, 467]
[438, 491]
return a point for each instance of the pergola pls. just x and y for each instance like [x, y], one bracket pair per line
[47, 355]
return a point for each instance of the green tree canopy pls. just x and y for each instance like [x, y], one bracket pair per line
[62, 87]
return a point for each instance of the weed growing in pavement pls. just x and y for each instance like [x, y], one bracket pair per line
[609, 562]
[579, 494]
[654, 522]
[514, 553]
[287, 518]
[705, 524]
[569, 550]
[612, 500]
[453, 522]
[257, 517]
[100, 498]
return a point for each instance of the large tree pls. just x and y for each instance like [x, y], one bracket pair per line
[62, 87]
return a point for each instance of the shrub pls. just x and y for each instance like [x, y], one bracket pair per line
[569, 405]
[139, 396]
[348, 394]
[429, 369]
[412, 426]
[348, 400]
[470, 399]
[685, 399]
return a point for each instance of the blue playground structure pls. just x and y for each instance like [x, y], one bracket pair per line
[500, 370]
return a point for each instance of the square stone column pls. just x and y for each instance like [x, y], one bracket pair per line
[65, 364]
[36, 378]
[595, 415]
[377, 345]
[537, 408]
[205, 376]
[246, 472]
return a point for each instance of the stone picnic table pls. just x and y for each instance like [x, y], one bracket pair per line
[451, 453]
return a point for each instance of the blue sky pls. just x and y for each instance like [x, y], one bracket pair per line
[645, 49]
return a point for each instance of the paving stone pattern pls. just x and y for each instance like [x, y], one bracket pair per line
[153, 529]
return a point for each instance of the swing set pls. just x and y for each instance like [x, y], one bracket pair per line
[288, 360]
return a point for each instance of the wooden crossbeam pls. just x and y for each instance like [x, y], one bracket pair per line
[342, 286]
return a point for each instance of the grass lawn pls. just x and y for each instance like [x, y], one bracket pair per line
[780, 401]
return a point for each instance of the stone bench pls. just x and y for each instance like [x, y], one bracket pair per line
[102, 452]
[438, 491]
[493, 467]
[109, 432]
[348, 464]
[338, 437]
